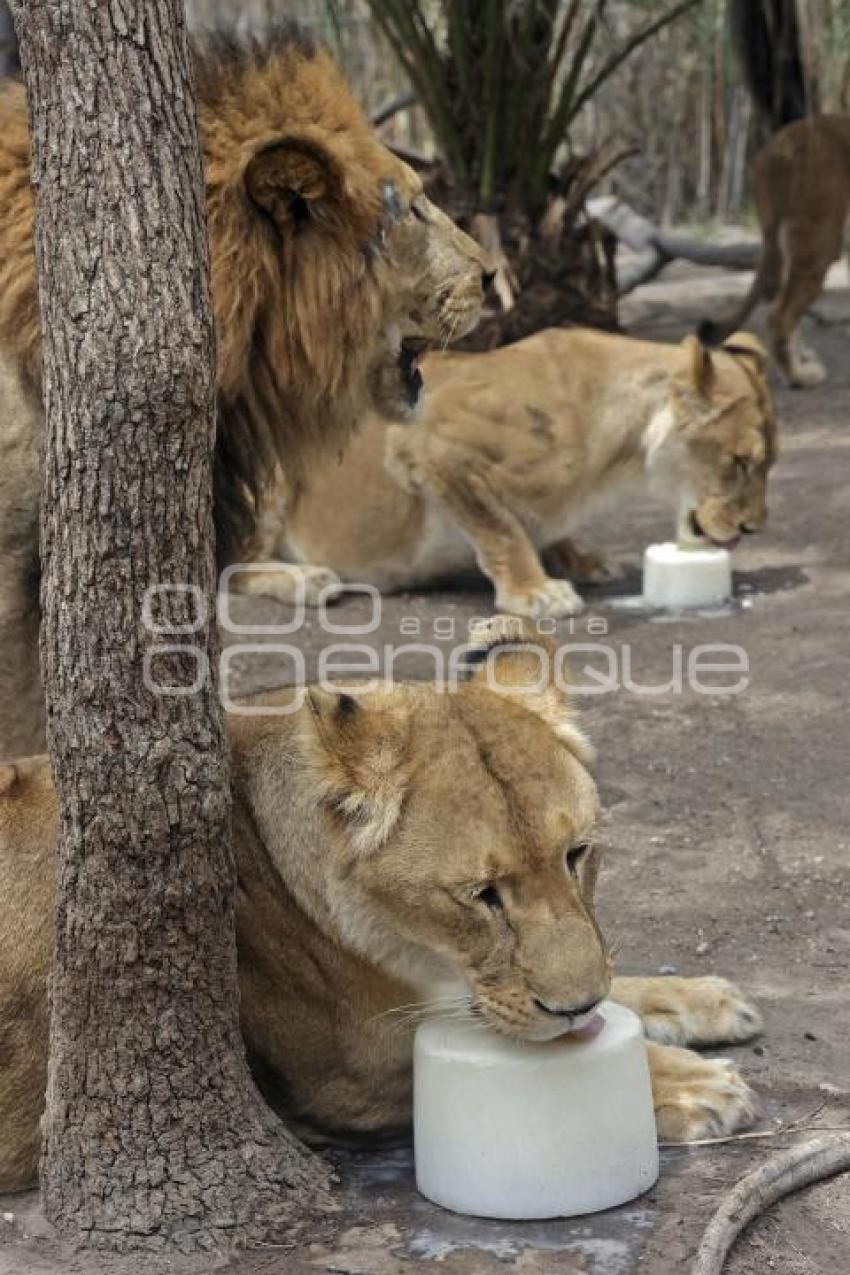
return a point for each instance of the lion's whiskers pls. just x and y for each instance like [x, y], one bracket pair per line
[457, 1008]
[451, 332]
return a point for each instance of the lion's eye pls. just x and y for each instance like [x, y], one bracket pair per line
[418, 210]
[744, 465]
[489, 895]
[573, 858]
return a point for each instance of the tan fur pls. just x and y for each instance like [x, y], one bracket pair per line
[325, 256]
[516, 447]
[366, 827]
[801, 186]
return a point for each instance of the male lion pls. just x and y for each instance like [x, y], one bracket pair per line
[330, 272]
[801, 186]
[404, 852]
[517, 446]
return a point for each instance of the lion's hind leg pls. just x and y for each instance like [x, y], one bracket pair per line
[803, 281]
[689, 1011]
[566, 561]
[696, 1097]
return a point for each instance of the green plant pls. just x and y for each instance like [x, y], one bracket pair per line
[502, 81]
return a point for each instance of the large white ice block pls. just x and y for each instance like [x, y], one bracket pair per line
[513, 1129]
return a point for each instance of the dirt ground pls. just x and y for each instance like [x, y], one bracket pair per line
[727, 840]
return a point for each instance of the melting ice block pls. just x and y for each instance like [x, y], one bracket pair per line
[680, 576]
[513, 1129]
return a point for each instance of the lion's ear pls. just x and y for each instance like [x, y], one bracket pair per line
[357, 753]
[744, 345]
[699, 372]
[292, 180]
[512, 658]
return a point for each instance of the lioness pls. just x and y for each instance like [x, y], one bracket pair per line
[515, 447]
[330, 273]
[400, 853]
[801, 186]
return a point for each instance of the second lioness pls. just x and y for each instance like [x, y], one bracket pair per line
[516, 447]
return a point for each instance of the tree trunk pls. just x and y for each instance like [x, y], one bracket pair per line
[154, 1134]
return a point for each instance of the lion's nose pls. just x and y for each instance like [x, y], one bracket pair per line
[573, 1011]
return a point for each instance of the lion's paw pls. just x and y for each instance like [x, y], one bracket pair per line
[697, 1097]
[321, 585]
[692, 1011]
[806, 376]
[550, 600]
[594, 568]
[289, 582]
[807, 371]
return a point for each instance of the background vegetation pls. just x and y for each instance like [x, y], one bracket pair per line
[524, 108]
[679, 97]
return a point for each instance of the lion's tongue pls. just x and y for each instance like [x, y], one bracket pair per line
[585, 1027]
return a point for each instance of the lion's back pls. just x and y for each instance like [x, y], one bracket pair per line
[803, 175]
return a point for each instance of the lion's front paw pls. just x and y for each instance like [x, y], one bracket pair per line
[697, 1097]
[549, 600]
[690, 1011]
[321, 585]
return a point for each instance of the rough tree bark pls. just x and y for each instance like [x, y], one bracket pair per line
[154, 1133]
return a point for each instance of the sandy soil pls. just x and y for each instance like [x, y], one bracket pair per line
[728, 842]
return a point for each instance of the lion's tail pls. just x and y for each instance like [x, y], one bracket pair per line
[774, 169]
[715, 331]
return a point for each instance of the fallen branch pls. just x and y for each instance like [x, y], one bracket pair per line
[654, 248]
[743, 255]
[788, 1171]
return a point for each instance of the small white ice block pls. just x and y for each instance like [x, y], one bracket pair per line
[686, 577]
[514, 1129]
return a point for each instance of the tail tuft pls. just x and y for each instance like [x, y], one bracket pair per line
[710, 333]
